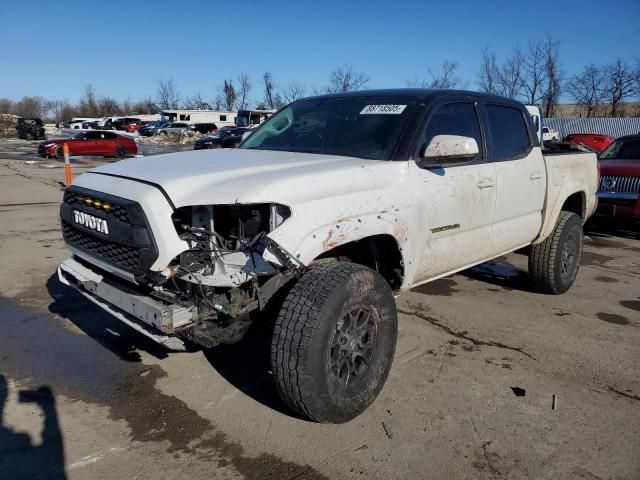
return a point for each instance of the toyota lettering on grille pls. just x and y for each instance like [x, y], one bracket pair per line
[90, 221]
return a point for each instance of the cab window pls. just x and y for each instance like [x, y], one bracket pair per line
[455, 119]
[508, 132]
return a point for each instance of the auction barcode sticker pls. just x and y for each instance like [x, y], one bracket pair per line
[383, 109]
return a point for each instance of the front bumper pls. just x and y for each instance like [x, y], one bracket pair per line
[154, 319]
[619, 205]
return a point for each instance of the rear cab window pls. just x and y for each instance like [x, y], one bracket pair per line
[507, 132]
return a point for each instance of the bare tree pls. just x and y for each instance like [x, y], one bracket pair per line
[534, 73]
[88, 106]
[510, 75]
[227, 97]
[108, 106]
[126, 107]
[244, 86]
[554, 77]
[620, 85]
[196, 102]
[30, 107]
[5, 105]
[168, 94]
[146, 106]
[291, 92]
[344, 79]
[55, 109]
[489, 73]
[269, 95]
[446, 78]
[587, 89]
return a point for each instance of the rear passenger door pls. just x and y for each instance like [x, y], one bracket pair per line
[457, 200]
[521, 177]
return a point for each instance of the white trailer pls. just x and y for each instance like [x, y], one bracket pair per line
[221, 119]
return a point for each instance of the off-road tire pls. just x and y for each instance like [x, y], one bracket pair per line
[59, 153]
[554, 263]
[307, 338]
[121, 152]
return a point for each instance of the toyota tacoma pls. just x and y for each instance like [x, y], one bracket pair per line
[328, 210]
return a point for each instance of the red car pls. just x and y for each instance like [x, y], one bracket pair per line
[132, 126]
[592, 140]
[619, 192]
[106, 144]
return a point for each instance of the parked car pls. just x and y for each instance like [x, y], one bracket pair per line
[91, 124]
[203, 128]
[106, 144]
[549, 135]
[132, 126]
[30, 129]
[152, 128]
[619, 192]
[224, 138]
[175, 127]
[75, 124]
[121, 123]
[594, 141]
[327, 205]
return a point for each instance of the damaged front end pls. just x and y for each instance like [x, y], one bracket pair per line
[209, 292]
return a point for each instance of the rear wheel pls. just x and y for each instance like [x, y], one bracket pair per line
[554, 263]
[334, 341]
[121, 152]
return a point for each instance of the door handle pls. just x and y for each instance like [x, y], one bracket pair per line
[486, 183]
[535, 176]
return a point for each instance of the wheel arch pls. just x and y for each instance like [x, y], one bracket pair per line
[570, 200]
[379, 252]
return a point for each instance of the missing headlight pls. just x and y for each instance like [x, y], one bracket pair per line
[234, 224]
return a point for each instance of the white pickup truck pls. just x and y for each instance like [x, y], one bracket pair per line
[327, 211]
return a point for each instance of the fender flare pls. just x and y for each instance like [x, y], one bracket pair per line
[345, 230]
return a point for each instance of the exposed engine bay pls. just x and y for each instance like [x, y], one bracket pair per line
[224, 274]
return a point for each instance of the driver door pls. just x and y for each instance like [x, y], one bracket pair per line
[458, 201]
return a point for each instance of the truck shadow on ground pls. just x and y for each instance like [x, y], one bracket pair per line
[245, 365]
[501, 274]
[99, 325]
[20, 457]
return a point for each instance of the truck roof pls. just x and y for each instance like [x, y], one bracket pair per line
[422, 93]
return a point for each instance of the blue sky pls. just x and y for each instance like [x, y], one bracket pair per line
[124, 47]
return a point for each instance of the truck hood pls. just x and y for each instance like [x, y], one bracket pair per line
[246, 176]
[629, 168]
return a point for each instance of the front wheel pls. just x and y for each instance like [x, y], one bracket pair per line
[554, 263]
[59, 153]
[121, 152]
[334, 341]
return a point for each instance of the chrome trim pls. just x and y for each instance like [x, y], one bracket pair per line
[138, 311]
[619, 196]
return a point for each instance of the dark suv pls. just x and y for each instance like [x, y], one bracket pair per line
[30, 129]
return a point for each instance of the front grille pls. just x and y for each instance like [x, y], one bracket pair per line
[619, 184]
[123, 256]
[118, 211]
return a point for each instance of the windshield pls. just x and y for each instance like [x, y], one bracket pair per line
[363, 127]
[78, 135]
[623, 149]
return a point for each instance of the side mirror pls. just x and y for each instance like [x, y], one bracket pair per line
[246, 135]
[448, 149]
